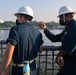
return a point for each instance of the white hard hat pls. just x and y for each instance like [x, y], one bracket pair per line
[65, 10]
[25, 10]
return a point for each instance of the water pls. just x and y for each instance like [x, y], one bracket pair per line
[47, 41]
[4, 35]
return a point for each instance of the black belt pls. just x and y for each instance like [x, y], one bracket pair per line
[21, 65]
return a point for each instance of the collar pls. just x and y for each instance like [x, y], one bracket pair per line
[71, 22]
[26, 23]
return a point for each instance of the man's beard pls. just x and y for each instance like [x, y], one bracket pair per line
[62, 22]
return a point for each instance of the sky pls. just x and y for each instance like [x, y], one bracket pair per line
[44, 10]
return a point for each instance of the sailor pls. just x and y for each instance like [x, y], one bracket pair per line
[23, 44]
[68, 39]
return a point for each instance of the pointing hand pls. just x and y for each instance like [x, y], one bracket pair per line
[42, 25]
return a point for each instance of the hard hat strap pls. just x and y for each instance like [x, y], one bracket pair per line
[63, 17]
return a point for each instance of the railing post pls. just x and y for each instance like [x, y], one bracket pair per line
[52, 62]
[46, 64]
[1, 52]
[39, 63]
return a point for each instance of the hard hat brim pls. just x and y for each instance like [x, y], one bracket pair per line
[74, 12]
[66, 13]
[21, 13]
[16, 14]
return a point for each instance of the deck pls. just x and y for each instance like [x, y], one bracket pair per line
[45, 60]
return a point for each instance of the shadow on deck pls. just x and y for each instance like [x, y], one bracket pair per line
[45, 60]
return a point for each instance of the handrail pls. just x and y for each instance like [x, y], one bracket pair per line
[51, 49]
[47, 57]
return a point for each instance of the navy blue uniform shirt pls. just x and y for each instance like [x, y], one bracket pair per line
[26, 40]
[68, 39]
[67, 36]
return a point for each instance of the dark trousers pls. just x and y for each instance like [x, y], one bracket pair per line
[19, 70]
[68, 69]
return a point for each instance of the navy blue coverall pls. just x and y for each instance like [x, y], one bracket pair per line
[68, 39]
[27, 41]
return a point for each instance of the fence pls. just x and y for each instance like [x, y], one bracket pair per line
[45, 60]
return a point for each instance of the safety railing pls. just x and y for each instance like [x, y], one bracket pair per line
[45, 60]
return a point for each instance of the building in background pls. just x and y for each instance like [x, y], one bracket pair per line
[1, 21]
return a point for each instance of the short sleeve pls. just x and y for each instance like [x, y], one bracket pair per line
[12, 38]
[41, 40]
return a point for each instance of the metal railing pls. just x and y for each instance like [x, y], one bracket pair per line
[45, 60]
[50, 64]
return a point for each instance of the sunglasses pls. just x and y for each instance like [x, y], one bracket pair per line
[61, 17]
